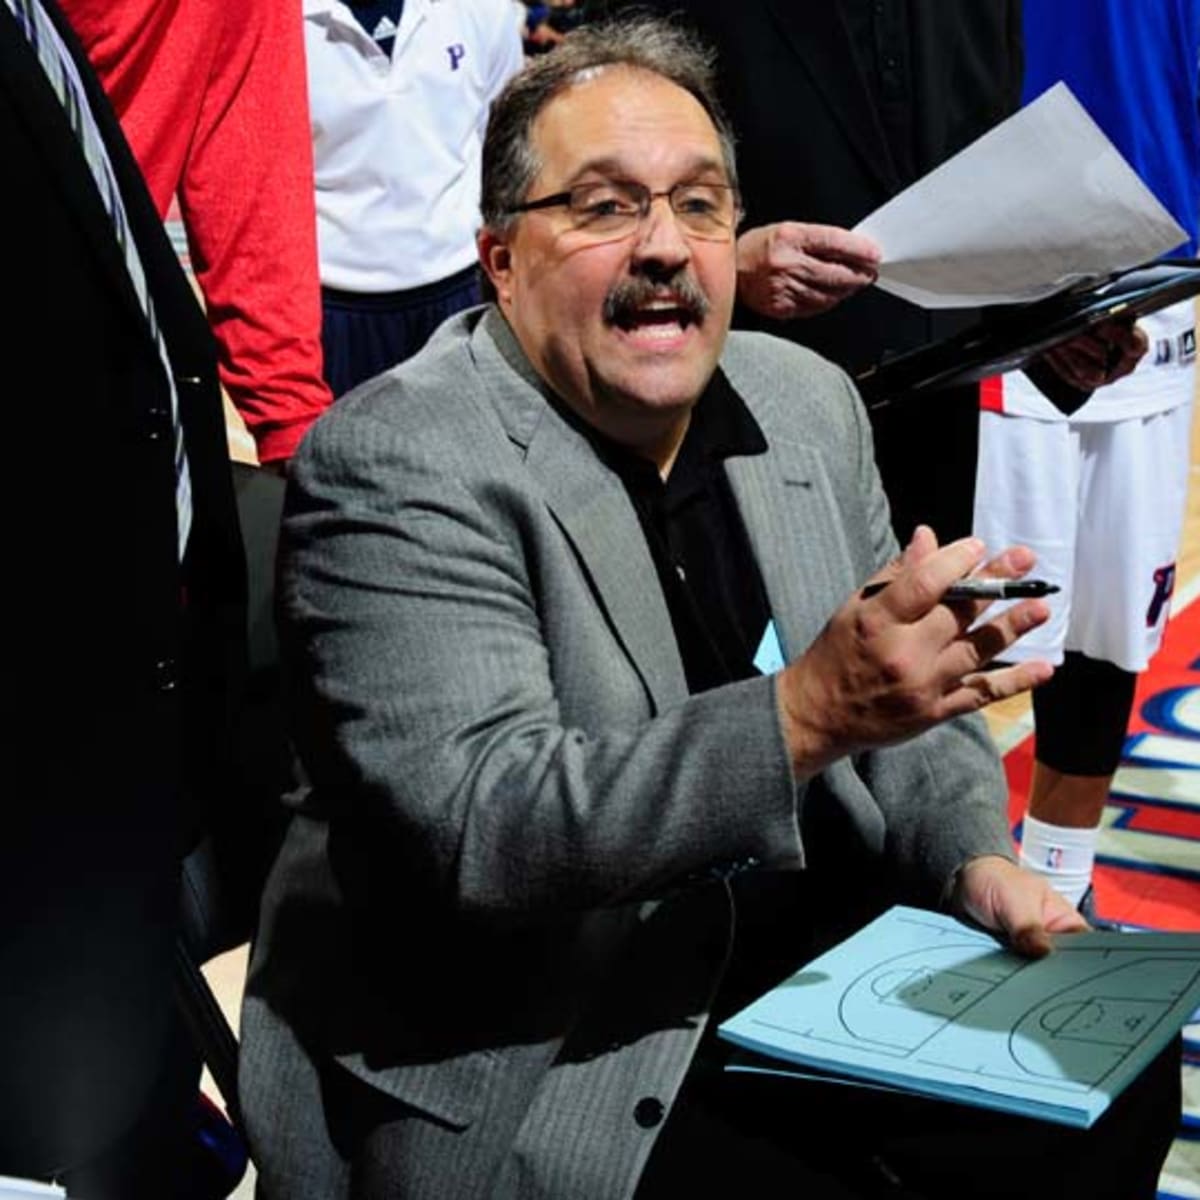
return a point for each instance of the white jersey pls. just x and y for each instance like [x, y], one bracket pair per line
[398, 141]
[1161, 382]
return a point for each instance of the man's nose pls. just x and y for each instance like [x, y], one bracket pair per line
[659, 238]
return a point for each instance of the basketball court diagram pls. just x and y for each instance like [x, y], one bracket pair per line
[921, 999]
[904, 1004]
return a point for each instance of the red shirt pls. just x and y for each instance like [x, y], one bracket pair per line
[213, 99]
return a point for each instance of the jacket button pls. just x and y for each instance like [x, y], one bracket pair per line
[648, 1112]
[158, 422]
[165, 675]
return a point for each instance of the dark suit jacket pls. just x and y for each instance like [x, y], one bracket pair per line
[116, 660]
[812, 146]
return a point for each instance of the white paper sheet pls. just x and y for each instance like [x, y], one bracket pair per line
[1039, 202]
[26, 1189]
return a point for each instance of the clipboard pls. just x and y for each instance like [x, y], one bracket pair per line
[1009, 337]
[924, 1003]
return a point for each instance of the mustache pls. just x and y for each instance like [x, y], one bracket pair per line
[627, 296]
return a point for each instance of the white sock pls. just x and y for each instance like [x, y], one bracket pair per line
[1061, 854]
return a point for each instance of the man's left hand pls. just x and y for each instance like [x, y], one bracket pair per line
[1015, 903]
[1099, 357]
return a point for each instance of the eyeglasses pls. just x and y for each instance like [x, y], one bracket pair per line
[614, 209]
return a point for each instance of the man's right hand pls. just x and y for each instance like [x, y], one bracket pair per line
[892, 665]
[791, 269]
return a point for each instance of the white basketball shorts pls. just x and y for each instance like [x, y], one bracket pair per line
[1102, 506]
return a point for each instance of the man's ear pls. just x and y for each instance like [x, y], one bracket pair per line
[496, 260]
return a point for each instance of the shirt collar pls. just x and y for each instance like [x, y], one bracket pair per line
[721, 427]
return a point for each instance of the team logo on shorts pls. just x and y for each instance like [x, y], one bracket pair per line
[1164, 585]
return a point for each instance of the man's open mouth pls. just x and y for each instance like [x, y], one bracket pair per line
[647, 305]
[660, 313]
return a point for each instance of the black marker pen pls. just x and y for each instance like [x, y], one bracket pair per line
[984, 589]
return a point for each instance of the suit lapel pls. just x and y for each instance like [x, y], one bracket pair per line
[784, 501]
[32, 94]
[813, 30]
[591, 507]
[595, 513]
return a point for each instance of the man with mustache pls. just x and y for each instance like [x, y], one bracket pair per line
[604, 738]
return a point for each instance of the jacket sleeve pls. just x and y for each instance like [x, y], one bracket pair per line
[247, 200]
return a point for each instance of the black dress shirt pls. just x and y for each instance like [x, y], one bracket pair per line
[719, 611]
[705, 566]
[883, 44]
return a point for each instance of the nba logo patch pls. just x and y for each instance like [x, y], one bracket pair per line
[1054, 857]
[1187, 346]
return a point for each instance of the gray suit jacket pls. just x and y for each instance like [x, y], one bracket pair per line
[501, 916]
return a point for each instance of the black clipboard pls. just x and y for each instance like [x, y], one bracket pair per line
[1009, 337]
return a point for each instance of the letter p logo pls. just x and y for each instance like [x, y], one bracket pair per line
[457, 53]
[1164, 585]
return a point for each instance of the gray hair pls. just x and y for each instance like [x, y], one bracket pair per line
[641, 42]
